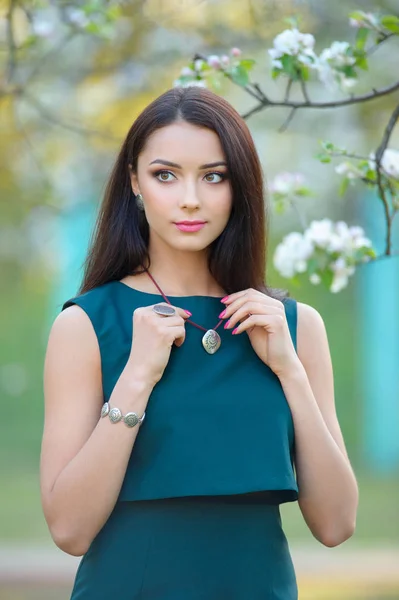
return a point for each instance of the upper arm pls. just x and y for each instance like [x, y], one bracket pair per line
[73, 394]
[314, 353]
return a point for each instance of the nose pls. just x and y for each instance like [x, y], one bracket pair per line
[189, 198]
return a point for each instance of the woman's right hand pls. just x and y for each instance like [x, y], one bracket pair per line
[153, 337]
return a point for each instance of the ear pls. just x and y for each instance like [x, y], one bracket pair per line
[133, 180]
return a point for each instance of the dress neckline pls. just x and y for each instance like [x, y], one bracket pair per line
[134, 290]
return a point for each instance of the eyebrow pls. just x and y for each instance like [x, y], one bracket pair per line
[172, 164]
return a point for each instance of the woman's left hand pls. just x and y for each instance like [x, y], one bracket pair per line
[264, 320]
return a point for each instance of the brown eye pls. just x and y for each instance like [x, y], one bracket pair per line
[162, 173]
[221, 175]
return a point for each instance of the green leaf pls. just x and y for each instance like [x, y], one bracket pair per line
[292, 21]
[371, 174]
[312, 265]
[357, 14]
[280, 207]
[276, 73]
[343, 186]
[93, 28]
[322, 157]
[304, 71]
[239, 75]
[362, 63]
[92, 7]
[295, 281]
[379, 38]
[247, 63]
[215, 80]
[327, 277]
[113, 12]
[29, 41]
[361, 59]
[364, 164]
[303, 192]
[361, 38]
[390, 22]
[290, 67]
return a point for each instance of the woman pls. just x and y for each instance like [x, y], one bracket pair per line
[180, 390]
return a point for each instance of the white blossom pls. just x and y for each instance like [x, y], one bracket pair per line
[214, 61]
[349, 170]
[291, 254]
[364, 20]
[342, 273]
[187, 72]
[225, 60]
[43, 28]
[337, 55]
[194, 83]
[198, 63]
[287, 183]
[330, 61]
[77, 16]
[337, 241]
[389, 162]
[319, 233]
[293, 43]
[315, 279]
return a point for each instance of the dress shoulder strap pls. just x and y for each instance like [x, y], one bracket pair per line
[291, 312]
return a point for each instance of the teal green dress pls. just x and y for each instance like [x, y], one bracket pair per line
[197, 516]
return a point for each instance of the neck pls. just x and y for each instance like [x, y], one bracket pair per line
[186, 274]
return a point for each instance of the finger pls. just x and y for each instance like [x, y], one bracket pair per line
[250, 308]
[178, 335]
[252, 294]
[231, 297]
[241, 300]
[271, 322]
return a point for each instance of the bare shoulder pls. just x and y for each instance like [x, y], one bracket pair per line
[311, 332]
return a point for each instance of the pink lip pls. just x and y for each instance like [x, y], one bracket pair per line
[190, 226]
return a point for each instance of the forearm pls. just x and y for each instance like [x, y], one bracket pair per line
[328, 492]
[86, 491]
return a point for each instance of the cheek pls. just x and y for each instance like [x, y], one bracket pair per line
[223, 206]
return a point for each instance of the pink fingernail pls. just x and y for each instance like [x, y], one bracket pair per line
[224, 299]
[188, 312]
[234, 331]
[226, 324]
[222, 314]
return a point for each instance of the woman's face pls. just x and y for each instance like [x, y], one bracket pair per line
[186, 190]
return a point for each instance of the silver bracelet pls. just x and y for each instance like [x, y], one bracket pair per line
[130, 419]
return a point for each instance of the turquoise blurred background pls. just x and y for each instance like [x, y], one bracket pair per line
[57, 146]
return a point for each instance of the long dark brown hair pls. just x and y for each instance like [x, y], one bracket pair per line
[237, 258]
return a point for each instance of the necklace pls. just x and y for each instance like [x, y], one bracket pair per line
[211, 340]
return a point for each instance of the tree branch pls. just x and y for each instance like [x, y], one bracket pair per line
[381, 190]
[288, 120]
[45, 114]
[332, 104]
[304, 91]
[287, 91]
[11, 46]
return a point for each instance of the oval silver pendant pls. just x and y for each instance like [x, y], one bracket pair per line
[211, 341]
